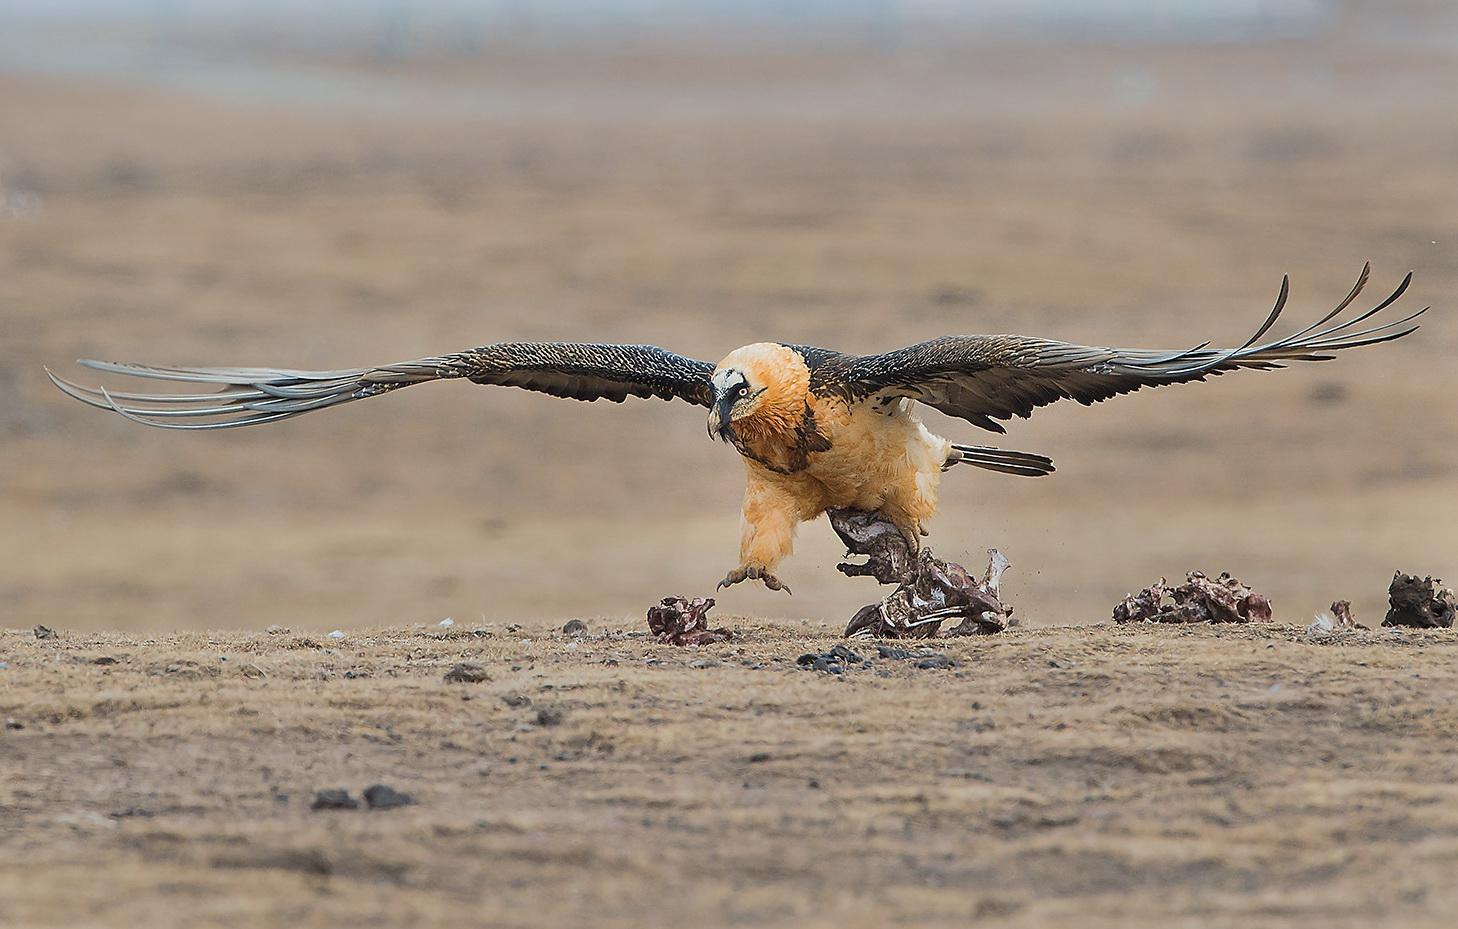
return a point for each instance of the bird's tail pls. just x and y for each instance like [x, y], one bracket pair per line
[246, 396]
[997, 459]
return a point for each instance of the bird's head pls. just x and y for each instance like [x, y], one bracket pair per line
[757, 389]
[736, 396]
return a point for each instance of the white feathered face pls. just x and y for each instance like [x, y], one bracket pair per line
[735, 397]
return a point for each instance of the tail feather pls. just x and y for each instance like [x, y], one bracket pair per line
[1025, 464]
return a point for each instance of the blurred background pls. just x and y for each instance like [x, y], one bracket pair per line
[214, 182]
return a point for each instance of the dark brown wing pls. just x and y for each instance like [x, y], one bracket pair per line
[984, 378]
[249, 396]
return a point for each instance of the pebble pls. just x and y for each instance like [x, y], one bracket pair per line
[547, 716]
[574, 627]
[337, 634]
[384, 797]
[467, 673]
[445, 624]
[46, 632]
[834, 661]
[334, 799]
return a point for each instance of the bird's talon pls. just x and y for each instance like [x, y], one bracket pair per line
[755, 573]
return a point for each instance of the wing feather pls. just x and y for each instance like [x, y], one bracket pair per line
[985, 378]
[249, 396]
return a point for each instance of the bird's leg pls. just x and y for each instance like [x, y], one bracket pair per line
[890, 548]
[768, 536]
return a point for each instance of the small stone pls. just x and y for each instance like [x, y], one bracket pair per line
[103, 659]
[46, 632]
[516, 701]
[14, 725]
[446, 624]
[356, 673]
[759, 757]
[574, 627]
[336, 634]
[334, 799]
[936, 662]
[467, 673]
[384, 797]
[703, 663]
[892, 652]
[548, 716]
[276, 629]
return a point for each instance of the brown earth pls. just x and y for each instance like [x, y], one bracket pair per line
[1079, 776]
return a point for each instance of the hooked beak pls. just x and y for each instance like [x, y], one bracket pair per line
[719, 416]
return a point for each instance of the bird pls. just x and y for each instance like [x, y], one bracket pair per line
[818, 430]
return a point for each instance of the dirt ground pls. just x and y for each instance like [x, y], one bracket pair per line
[1088, 776]
[207, 198]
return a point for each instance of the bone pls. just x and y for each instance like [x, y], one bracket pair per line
[1199, 600]
[930, 592]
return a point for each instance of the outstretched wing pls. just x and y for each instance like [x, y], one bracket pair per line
[985, 378]
[249, 396]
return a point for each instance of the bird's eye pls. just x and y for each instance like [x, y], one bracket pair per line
[741, 390]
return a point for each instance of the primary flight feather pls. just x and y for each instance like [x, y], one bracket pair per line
[817, 429]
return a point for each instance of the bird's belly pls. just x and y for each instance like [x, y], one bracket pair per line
[881, 461]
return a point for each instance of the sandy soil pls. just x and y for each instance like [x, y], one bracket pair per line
[1090, 776]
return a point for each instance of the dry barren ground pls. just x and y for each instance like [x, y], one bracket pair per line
[1091, 776]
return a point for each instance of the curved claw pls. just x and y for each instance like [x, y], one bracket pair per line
[753, 572]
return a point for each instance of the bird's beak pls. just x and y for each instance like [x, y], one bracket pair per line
[719, 417]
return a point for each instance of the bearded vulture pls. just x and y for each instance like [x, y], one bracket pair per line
[817, 429]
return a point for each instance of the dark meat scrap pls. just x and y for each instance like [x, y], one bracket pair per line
[934, 592]
[680, 621]
[1421, 602]
[1198, 600]
[1338, 619]
[1341, 615]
